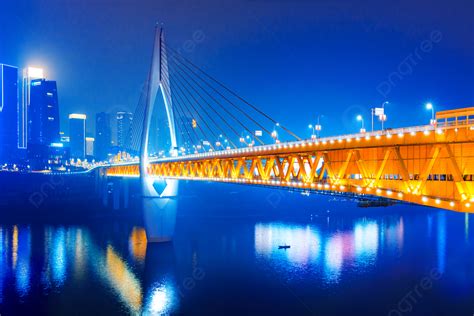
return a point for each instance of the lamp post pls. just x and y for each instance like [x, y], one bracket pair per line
[318, 127]
[383, 117]
[372, 111]
[429, 106]
[275, 133]
[361, 119]
[313, 135]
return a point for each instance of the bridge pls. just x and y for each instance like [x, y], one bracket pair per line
[224, 138]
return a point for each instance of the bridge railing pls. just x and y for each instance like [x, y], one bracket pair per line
[438, 127]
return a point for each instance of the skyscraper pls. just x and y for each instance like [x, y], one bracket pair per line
[29, 74]
[77, 135]
[124, 129]
[8, 111]
[43, 113]
[90, 147]
[103, 136]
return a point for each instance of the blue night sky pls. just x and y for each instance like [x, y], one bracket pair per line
[294, 59]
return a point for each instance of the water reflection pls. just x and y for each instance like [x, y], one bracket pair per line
[80, 256]
[66, 262]
[304, 240]
[75, 250]
[58, 257]
[21, 259]
[137, 243]
[123, 281]
[331, 249]
[161, 298]
[333, 258]
[466, 227]
[3, 267]
[441, 241]
[366, 241]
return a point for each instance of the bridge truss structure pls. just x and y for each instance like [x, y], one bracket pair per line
[222, 137]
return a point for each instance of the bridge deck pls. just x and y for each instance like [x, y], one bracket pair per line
[426, 165]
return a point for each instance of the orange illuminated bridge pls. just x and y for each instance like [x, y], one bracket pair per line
[429, 165]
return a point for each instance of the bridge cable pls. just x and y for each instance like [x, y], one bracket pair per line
[177, 116]
[218, 103]
[201, 106]
[175, 82]
[180, 98]
[137, 121]
[223, 97]
[180, 109]
[232, 92]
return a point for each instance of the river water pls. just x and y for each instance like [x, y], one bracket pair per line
[343, 260]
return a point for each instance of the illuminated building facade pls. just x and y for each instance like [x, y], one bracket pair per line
[43, 113]
[124, 129]
[29, 74]
[90, 147]
[77, 135]
[103, 136]
[8, 111]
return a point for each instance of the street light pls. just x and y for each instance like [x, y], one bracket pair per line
[383, 117]
[275, 133]
[429, 106]
[361, 119]
[313, 135]
[318, 126]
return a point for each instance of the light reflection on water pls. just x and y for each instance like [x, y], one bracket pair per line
[137, 244]
[21, 258]
[123, 280]
[357, 246]
[60, 258]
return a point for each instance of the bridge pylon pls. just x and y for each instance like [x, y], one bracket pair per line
[159, 196]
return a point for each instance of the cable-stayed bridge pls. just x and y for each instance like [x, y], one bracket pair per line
[216, 135]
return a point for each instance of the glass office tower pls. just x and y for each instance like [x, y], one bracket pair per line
[8, 112]
[77, 135]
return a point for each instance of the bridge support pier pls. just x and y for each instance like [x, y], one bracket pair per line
[159, 209]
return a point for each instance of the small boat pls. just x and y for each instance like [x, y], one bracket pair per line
[284, 247]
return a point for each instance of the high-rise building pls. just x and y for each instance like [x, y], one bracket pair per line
[29, 74]
[77, 135]
[43, 113]
[103, 136]
[8, 111]
[90, 147]
[124, 130]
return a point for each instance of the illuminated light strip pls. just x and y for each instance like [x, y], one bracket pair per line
[77, 116]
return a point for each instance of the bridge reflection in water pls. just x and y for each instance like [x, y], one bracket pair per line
[141, 278]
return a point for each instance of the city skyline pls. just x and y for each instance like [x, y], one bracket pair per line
[423, 59]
